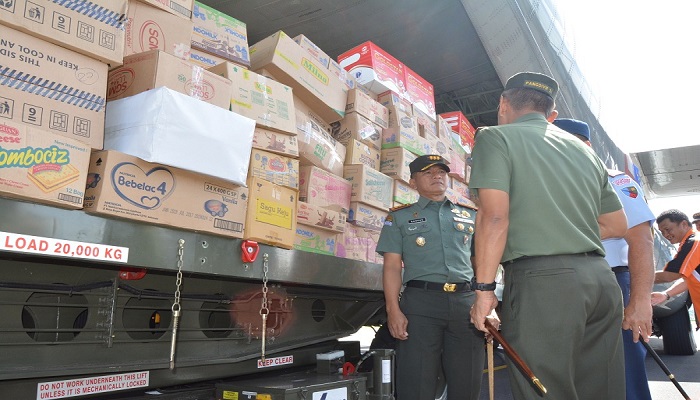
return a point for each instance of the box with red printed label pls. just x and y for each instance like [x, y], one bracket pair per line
[124, 186]
[460, 124]
[374, 68]
[42, 167]
[420, 93]
[151, 28]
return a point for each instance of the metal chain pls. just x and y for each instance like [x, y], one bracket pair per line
[176, 308]
[264, 310]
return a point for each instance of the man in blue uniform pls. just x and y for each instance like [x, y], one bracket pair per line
[432, 239]
[632, 260]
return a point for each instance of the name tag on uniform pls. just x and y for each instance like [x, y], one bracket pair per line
[460, 219]
[416, 221]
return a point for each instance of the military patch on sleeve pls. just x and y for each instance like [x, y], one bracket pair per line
[389, 220]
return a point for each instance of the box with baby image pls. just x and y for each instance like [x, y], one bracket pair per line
[42, 167]
[124, 186]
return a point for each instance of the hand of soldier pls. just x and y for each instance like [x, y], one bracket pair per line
[637, 318]
[485, 303]
[398, 325]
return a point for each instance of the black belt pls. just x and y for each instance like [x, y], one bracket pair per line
[621, 269]
[442, 287]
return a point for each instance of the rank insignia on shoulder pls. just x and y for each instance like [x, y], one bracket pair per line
[402, 206]
[468, 205]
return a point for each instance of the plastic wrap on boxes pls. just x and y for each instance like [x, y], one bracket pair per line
[166, 127]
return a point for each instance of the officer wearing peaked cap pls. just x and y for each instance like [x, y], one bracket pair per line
[696, 221]
[545, 202]
[432, 238]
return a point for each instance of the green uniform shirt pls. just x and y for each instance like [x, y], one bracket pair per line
[433, 238]
[557, 186]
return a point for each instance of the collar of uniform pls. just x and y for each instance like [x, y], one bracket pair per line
[531, 117]
[424, 201]
[685, 238]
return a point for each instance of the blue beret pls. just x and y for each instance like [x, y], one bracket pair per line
[574, 126]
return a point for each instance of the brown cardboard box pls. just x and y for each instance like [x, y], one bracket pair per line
[219, 34]
[322, 188]
[274, 168]
[366, 216]
[394, 163]
[360, 153]
[404, 194]
[128, 187]
[316, 145]
[151, 28]
[155, 68]
[204, 60]
[321, 217]
[356, 126]
[294, 66]
[315, 240]
[91, 27]
[366, 106]
[51, 87]
[315, 51]
[276, 142]
[359, 243]
[181, 8]
[269, 103]
[369, 186]
[271, 214]
[42, 167]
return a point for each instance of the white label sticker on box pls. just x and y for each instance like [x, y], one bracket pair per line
[386, 371]
[19, 243]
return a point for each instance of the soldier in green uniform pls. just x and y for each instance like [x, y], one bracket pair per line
[545, 203]
[432, 239]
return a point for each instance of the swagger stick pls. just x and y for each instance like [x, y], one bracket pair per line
[489, 352]
[664, 368]
[515, 357]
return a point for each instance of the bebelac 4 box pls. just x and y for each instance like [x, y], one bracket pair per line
[420, 93]
[155, 68]
[295, 67]
[275, 142]
[374, 68]
[151, 28]
[52, 88]
[94, 28]
[219, 34]
[42, 167]
[269, 103]
[271, 214]
[321, 188]
[128, 187]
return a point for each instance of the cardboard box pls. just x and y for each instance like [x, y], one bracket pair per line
[322, 188]
[321, 217]
[269, 103]
[274, 168]
[293, 66]
[52, 88]
[150, 28]
[359, 244]
[404, 194]
[168, 127]
[391, 99]
[276, 142]
[204, 60]
[374, 68]
[360, 153]
[42, 167]
[94, 28]
[271, 214]
[369, 186]
[437, 146]
[458, 162]
[316, 145]
[315, 240]
[426, 124]
[363, 104]
[443, 128]
[219, 34]
[420, 93]
[460, 187]
[366, 216]
[355, 126]
[126, 187]
[181, 8]
[405, 135]
[155, 68]
[394, 163]
[315, 51]
[460, 124]
[346, 78]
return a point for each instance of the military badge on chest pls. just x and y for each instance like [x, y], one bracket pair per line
[415, 221]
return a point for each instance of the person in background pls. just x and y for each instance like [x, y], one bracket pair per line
[430, 319]
[632, 261]
[684, 268]
[545, 202]
[696, 221]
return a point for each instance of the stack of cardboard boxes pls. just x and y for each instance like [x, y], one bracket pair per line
[276, 142]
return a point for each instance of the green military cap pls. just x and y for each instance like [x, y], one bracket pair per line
[534, 80]
[424, 162]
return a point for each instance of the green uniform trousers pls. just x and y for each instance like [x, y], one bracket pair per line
[439, 336]
[563, 314]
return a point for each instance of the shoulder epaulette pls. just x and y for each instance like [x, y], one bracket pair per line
[402, 206]
[467, 205]
[613, 173]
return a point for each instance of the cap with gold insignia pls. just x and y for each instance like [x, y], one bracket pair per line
[696, 217]
[424, 162]
[533, 80]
